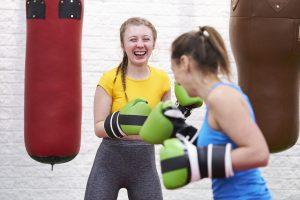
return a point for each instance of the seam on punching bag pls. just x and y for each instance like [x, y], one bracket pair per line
[298, 32]
[252, 8]
[296, 38]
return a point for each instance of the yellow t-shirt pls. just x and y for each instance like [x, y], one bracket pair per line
[150, 89]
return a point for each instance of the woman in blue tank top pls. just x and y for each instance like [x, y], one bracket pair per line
[198, 58]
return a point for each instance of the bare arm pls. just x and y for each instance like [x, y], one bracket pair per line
[166, 96]
[102, 108]
[233, 118]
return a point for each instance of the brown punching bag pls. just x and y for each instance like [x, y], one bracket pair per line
[53, 80]
[265, 39]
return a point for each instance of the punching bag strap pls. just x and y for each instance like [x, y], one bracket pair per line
[234, 4]
[35, 9]
[70, 9]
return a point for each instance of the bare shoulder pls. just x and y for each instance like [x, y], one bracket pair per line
[225, 102]
[223, 96]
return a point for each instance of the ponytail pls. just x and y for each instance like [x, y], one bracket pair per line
[206, 47]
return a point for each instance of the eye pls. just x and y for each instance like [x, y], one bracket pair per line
[133, 40]
[146, 39]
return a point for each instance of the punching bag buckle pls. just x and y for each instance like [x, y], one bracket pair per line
[278, 5]
[70, 9]
[35, 9]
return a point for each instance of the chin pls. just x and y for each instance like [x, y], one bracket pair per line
[140, 62]
[191, 93]
[185, 87]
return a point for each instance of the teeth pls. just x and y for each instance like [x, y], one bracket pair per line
[140, 53]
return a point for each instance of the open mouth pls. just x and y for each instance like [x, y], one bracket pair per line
[140, 53]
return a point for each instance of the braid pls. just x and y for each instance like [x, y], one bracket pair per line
[123, 68]
[117, 72]
[123, 76]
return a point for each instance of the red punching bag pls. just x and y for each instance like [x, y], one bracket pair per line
[53, 80]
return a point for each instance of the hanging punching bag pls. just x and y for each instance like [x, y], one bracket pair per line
[53, 80]
[265, 39]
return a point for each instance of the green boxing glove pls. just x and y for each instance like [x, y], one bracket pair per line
[164, 122]
[127, 121]
[182, 162]
[172, 179]
[185, 103]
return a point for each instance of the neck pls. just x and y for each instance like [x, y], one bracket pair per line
[138, 71]
[204, 86]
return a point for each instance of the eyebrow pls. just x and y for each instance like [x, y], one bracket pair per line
[134, 36]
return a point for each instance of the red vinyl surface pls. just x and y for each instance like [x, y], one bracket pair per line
[53, 85]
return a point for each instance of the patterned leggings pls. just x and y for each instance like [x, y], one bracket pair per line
[124, 164]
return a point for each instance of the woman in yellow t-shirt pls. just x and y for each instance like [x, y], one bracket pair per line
[127, 162]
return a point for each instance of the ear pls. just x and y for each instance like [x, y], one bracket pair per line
[185, 63]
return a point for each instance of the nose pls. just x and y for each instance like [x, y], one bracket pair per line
[140, 43]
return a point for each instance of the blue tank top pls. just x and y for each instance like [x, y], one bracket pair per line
[244, 185]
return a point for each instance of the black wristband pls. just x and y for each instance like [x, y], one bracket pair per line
[111, 126]
[212, 161]
[202, 160]
[218, 162]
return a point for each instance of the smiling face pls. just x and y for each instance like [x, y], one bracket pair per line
[138, 44]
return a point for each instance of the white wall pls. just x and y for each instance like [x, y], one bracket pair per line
[22, 178]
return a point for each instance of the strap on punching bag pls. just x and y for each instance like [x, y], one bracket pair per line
[70, 9]
[35, 9]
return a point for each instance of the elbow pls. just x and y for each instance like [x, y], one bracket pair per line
[99, 130]
[262, 157]
[100, 133]
[265, 160]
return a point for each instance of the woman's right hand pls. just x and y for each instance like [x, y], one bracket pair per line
[128, 120]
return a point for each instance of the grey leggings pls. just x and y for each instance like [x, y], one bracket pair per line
[124, 164]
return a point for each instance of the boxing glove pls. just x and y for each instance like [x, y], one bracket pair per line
[127, 121]
[183, 162]
[185, 103]
[164, 122]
